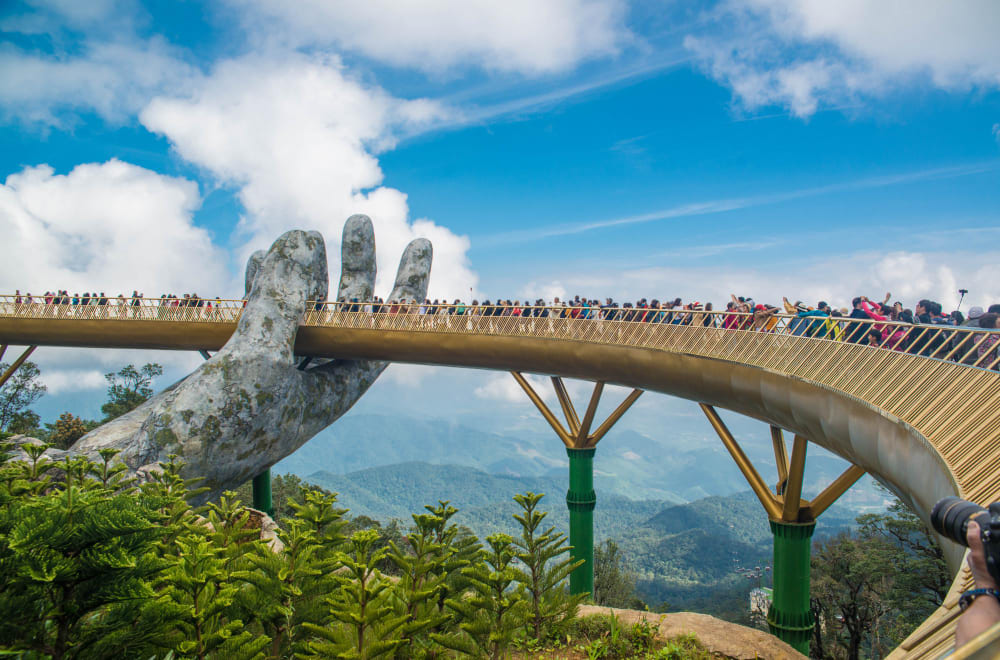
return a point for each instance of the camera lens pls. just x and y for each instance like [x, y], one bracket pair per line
[950, 517]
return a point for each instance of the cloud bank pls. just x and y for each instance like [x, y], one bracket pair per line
[110, 227]
[297, 135]
[808, 54]
[520, 36]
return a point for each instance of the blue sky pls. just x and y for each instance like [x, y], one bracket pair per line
[600, 147]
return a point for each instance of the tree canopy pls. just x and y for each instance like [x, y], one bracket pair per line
[129, 388]
[22, 390]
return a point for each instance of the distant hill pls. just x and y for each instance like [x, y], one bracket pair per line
[686, 555]
[674, 466]
[485, 501]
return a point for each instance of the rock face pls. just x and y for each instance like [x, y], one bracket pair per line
[724, 639]
[249, 405]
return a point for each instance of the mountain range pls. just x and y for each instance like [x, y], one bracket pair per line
[674, 466]
[679, 553]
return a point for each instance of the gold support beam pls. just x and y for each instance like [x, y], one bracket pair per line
[567, 405]
[613, 417]
[578, 436]
[796, 474]
[588, 417]
[780, 459]
[760, 489]
[3, 349]
[822, 502]
[17, 363]
[544, 409]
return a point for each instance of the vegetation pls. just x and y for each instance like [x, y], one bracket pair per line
[95, 565]
[92, 565]
[22, 390]
[604, 637]
[871, 587]
[128, 389]
[67, 430]
[614, 584]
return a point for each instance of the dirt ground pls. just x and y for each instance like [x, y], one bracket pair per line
[727, 640]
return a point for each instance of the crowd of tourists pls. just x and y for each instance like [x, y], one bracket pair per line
[62, 297]
[868, 321]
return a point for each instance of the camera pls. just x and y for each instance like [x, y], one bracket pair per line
[950, 517]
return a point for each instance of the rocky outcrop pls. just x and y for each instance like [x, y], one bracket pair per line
[724, 639]
[249, 405]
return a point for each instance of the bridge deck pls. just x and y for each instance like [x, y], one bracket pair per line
[925, 427]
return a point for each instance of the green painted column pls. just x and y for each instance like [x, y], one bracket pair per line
[262, 492]
[790, 618]
[580, 499]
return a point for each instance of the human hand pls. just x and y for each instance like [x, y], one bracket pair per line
[977, 557]
[249, 405]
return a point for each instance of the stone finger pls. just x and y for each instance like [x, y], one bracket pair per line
[253, 265]
[357, 260]
[414, 271]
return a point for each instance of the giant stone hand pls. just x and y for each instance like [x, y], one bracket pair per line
[250, 405]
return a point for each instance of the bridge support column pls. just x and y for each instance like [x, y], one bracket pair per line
[262, 492]
[792, 521]
[580, 447]
[790, 617]
[581, 500]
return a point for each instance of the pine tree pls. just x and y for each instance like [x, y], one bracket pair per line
[28, 477]
[364, 622]
[196, 586]
[75, 567]
[544, 577]
[168, 493]
[457, 548]
[288, 588]
[495, 611]
[325, 521]
[421, 564]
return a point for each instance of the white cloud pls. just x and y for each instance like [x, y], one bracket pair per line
[836, 278]
[522, 36]
[73, 380]
[410, 375]
[502, 387]
[805, 54]
[48, 16]
[547, 291]
[113, 79]
[112, 227]
[996, 132]
[298, 135]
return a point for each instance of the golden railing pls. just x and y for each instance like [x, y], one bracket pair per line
[974, 347]
[942, 381]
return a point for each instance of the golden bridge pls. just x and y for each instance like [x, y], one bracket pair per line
[916, 406]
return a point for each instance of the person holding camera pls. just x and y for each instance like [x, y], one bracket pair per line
[982, 610]
[979, 529]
